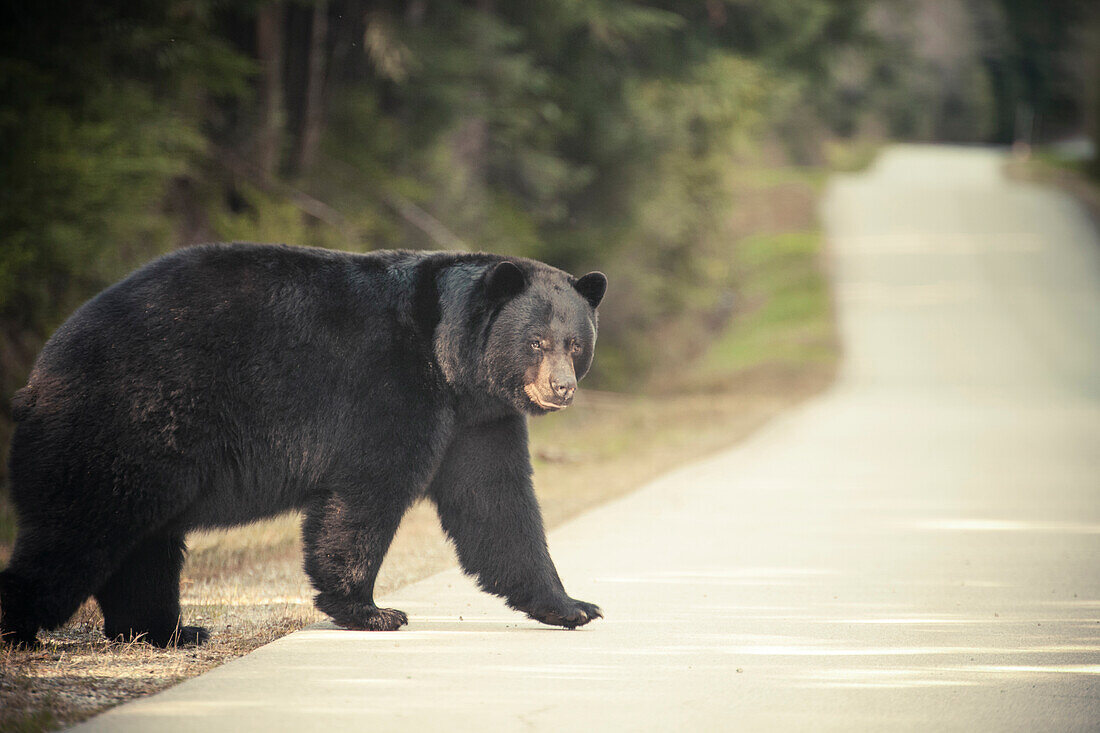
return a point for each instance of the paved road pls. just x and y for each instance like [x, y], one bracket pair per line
[917, 549]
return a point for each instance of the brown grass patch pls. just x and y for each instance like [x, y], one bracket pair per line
[77, 673]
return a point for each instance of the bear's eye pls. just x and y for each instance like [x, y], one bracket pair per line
[535, 344]
[574, 346]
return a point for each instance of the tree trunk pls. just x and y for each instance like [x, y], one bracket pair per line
[313, 113]
[469, 140]
[269, 49]
[1092, 93]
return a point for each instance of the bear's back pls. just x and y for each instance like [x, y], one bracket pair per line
[212, 300]
[267, 328]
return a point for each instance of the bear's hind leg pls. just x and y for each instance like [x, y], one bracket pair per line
[19, 623]
[344, 547]
[49, 576]
[141, 599]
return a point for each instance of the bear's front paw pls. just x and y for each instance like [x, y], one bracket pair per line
[567, 612]
[377, 619]
[358, 616]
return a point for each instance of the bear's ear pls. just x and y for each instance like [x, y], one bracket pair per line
[592, 286]
[505, 281]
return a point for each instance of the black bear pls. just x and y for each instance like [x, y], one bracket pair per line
[225, 383]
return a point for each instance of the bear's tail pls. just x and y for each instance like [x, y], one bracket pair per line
[22, 402]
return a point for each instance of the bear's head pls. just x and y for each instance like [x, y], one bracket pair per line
[540, 333]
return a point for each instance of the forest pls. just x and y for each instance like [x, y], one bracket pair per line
[591, 134]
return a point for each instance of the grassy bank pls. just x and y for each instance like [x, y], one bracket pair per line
[1049, 168]
[247, 586]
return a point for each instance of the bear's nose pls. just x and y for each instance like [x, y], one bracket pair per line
[563, 388]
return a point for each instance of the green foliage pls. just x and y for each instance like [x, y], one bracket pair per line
[88, 190]
[93, 126]
[785, 319]
[989, 71]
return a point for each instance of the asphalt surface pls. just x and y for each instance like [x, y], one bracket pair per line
[917, 549]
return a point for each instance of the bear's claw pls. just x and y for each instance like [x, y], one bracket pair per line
[569, 614]
[378, 619]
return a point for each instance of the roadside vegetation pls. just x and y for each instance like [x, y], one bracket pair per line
[1077, 176]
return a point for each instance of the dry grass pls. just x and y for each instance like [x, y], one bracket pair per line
[77, 673]
[247, 586]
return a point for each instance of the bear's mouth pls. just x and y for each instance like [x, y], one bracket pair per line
[533, 394]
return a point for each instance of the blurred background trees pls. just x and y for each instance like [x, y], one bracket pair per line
[586, 133]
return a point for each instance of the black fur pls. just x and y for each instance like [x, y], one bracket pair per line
[225, 383]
